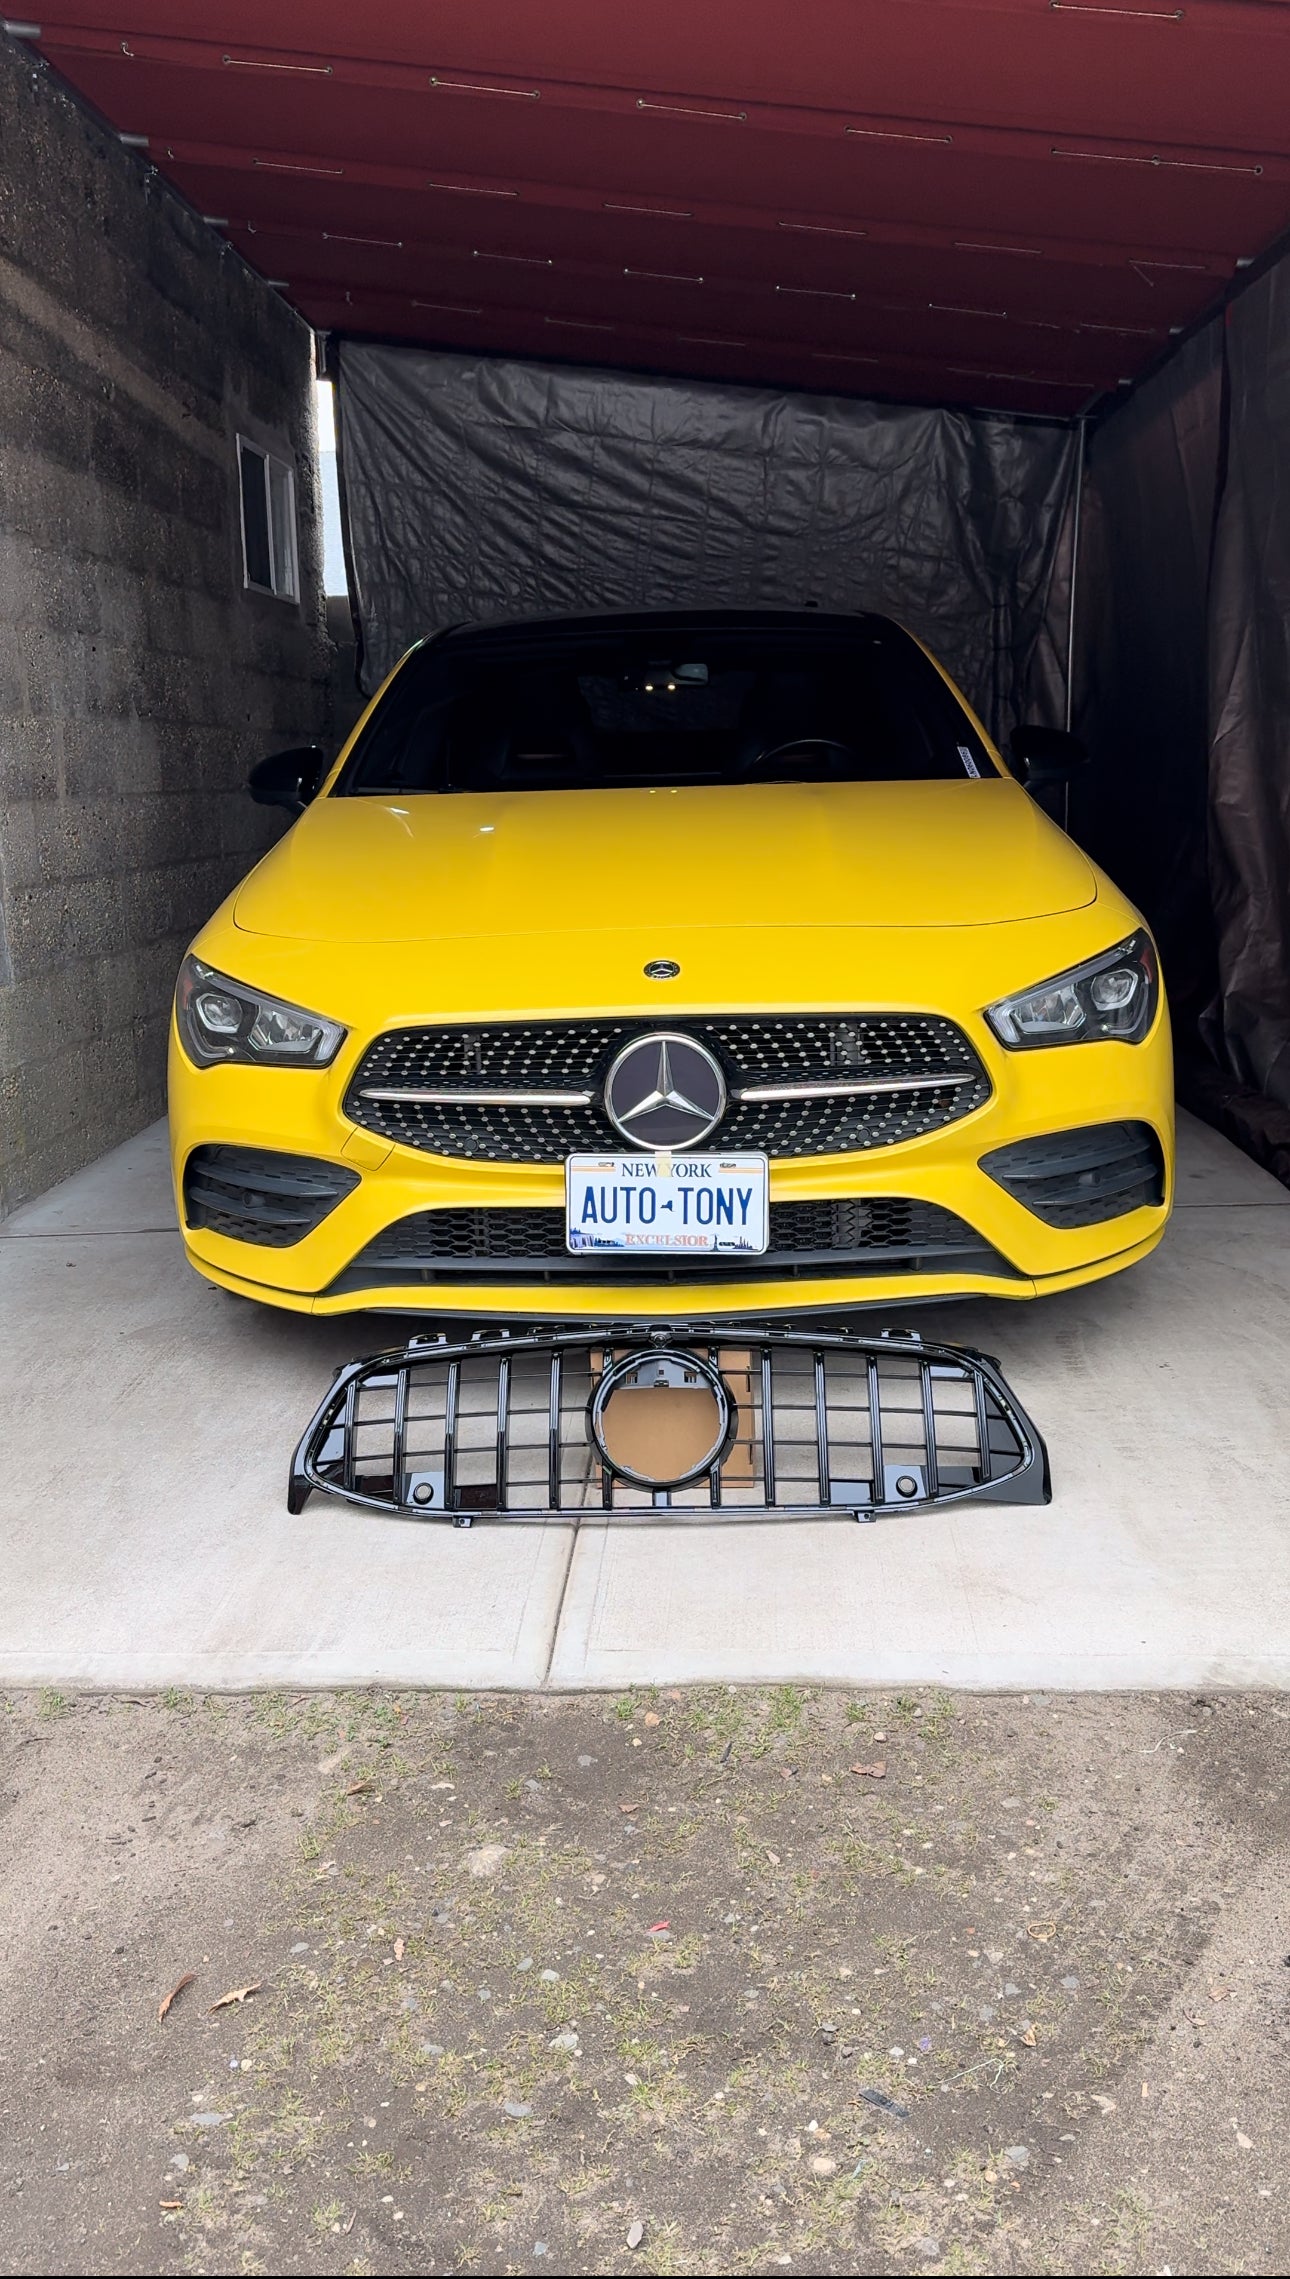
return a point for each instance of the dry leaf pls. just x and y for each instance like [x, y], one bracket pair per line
[652, 1717]
[176, 1990]
[1104, 2105]
[1030, 2037]
[398, 1950]
[236, 1994]
[872, 1772]
[1041, 1931]
[631, 1809]
[358, 1787]
[1219, 1993]
[773, 1857]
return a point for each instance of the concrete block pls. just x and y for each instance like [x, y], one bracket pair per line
[138, 681]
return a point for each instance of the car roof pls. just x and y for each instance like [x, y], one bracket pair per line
[691, 622]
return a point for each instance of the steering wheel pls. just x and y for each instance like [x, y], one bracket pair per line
[803, 745]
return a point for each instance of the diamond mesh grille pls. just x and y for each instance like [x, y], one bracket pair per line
[754, 1050]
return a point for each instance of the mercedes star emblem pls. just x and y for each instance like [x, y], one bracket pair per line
[662, 969]
[665, 1091]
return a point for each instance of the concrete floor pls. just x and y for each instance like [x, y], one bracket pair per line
[147, 1423]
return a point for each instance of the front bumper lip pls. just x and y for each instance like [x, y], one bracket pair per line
[748, 1303]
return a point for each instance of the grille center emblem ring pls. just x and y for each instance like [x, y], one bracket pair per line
[665, 1090]
[691, 1433]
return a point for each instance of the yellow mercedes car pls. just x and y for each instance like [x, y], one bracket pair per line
[687, 965]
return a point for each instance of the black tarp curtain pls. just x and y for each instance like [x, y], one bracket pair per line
[1182, 692]
[478, 488]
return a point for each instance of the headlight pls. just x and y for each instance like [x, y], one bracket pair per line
[221, 1019]
[1114, 995]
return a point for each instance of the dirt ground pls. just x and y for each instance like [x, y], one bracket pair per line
[709, 1981]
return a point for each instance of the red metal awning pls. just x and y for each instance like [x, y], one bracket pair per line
[1006, 202]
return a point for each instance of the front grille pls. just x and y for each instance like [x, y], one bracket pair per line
[520, 1428]
[754, 1051]
[808, 1241]
[253, 1194]
[1079, 1178]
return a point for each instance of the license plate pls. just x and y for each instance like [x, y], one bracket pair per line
[684, 1205]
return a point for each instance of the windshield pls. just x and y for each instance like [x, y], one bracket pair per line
[666, 702]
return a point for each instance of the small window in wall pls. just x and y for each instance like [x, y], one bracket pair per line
[268, 522]
[335, 578]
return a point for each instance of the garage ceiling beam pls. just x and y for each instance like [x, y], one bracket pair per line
[899, 188]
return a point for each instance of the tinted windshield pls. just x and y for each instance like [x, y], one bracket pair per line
[666, 703]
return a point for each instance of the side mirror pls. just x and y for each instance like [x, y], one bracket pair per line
[1046, 755]
[288, 779]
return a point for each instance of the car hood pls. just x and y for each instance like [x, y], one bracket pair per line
[501, 865]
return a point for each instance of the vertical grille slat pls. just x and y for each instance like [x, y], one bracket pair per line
[500, 1427]
[399, 1466]
[714, 1476]
[985, 1470]
[553, 1435]
[451, 1394]
[503, 1424]
[821, 1425]
[875, 1426]
[767, 1425]
[932, 1474]
[351, 1407]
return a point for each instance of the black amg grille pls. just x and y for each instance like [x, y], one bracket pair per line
[808, 1241]
[1077, 1179]
[754, 1051]
[253, 1194]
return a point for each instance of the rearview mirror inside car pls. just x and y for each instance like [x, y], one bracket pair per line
[288, 779]
[1046, 755]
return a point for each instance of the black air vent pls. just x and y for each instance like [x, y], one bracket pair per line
[253, 1194]
[808, 1241]
[1077, 1179]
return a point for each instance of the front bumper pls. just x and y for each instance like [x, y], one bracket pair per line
[1034, 1094]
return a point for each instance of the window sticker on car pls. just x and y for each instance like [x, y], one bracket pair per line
[968, 761]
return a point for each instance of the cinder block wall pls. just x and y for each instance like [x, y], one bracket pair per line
[139, 679]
